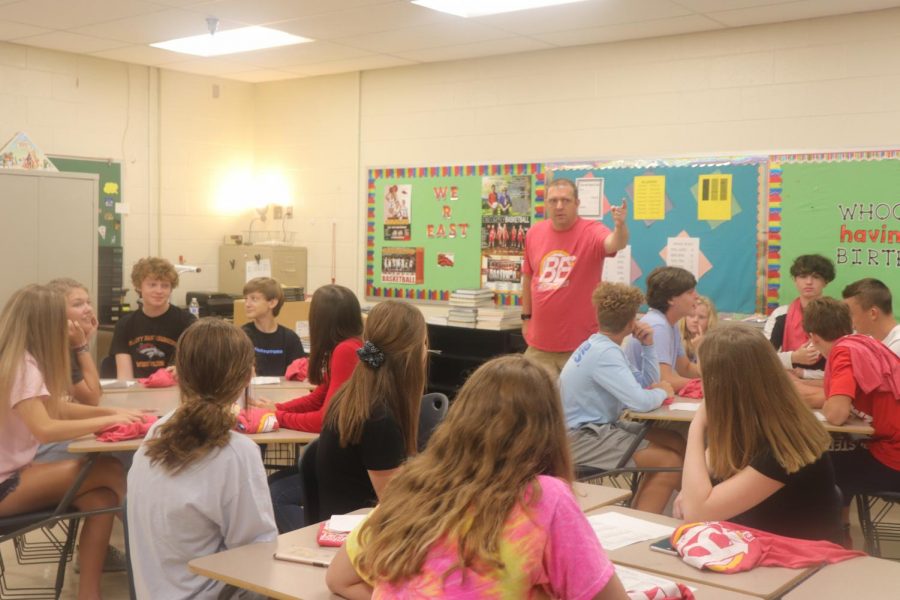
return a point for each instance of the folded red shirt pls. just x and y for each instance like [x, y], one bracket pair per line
[692, 389]
[297, 370]
[161, 378]
[126, 431]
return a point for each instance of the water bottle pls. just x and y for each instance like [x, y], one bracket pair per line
[195, 307]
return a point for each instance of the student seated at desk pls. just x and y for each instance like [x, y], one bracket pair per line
[487, 510]
[196, 487]
[372, 424]
[34, 380]
[862, 377]
[768, 465]
[671, 295]
[335, 331]
[870, 302]
[145, 340]
[276, 346]
[597, 385]
[694, 326]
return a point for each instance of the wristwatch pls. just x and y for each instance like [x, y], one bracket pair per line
[526, 316]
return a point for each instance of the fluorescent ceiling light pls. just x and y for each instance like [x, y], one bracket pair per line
[480, 8]
[231, 41]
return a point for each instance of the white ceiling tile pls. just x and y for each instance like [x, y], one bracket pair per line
[298, 54]
[365, 20]
[156, 27]
[262, 75]
[426, 36]
[794, 11]
[581, 15]
[706, 6]
[64, 14]
[258, 12]
[366, 63]
[69, 42]
[141, 55]
[476, 49]
[11, 31]
[630, 31]
[218, 67]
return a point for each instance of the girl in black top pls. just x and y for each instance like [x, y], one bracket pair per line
[371, 425]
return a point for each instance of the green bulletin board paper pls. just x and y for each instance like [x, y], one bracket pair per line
[845, 207]
[110, 187]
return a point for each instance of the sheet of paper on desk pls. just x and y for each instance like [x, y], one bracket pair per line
[345, 522]
[638, 581]
[690, 406]
[110, 384]
[820, 416]
[615, 530]
[265, 380]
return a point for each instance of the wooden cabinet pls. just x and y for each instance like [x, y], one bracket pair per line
[458, 351]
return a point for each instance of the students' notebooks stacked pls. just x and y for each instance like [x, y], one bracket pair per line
[499, 318]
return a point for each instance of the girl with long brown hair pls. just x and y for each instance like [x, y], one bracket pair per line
[768, 455]
[371, 426]
[34, 381]
[196, 486]
[487, 510]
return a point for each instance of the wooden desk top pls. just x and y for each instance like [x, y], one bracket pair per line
[864, 577]
[162, 400]
[762, 582]
[854, 425]
[591, 497]
[298, 386]
[282, 436]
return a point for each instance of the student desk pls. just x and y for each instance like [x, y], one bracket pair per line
[282, 436]
[300, 387]
[762, 582]
[253, 568]
[162, 400]
[865, 577]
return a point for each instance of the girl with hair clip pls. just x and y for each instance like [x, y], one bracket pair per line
[693, 327]
[768, 466]
[197, 487]
[34, 381]
[335, 331]
[372, 424]
[490, 503]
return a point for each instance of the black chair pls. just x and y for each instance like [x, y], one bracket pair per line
[873, 509]
[108, 367]
[310, 490]
[433, 410]
[15, 526]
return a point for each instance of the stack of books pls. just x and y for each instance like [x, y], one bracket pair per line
[472, 298]
[462, 317]
[499, 318]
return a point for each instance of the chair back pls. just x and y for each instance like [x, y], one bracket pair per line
[108, 367]
[309, 491]
[432, 412]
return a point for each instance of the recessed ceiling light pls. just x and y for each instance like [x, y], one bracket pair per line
[231, 41]
[480, 8]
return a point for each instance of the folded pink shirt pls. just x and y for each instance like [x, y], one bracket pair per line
[126, 431]
[297, 370]
[256, 420]
[161, 378]
[692, 389]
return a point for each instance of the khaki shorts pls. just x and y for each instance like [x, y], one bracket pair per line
[552, 361]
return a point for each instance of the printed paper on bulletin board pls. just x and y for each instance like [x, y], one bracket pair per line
[432, 230]
[730, 260]
[844, 206]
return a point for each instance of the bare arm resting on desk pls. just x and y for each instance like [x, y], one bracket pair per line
[837, 409]
[342, 578]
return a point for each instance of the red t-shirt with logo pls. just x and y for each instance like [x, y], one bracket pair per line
[565, 267]
[880, 409]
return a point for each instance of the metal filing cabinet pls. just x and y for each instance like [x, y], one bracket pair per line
[288, 265]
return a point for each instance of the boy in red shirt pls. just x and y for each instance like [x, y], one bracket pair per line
[862, 377]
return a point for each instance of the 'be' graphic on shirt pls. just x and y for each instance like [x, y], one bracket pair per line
[555, 269]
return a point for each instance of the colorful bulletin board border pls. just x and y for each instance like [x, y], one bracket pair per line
[775, 265]
[374, 291]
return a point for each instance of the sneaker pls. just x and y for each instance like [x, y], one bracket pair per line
[115, 562]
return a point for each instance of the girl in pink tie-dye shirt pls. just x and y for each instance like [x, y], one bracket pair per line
[487, 510]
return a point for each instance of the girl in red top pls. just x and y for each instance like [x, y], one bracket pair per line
[335, 331]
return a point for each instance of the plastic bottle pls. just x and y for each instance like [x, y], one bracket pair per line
[195, 308]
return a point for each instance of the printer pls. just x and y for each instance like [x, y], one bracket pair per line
[213, 304]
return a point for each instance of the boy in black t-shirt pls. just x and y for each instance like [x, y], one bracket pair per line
[145, 340]
[276, 346]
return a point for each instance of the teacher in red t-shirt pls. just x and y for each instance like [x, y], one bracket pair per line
[563, 262]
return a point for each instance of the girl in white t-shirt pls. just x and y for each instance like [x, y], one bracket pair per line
[196, 487]
[34, 379]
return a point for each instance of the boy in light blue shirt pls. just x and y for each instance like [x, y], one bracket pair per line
[597, 385]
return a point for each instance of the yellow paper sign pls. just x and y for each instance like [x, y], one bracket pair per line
[714, 198]
[649, 198]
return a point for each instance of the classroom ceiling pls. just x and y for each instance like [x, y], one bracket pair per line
[353, 35]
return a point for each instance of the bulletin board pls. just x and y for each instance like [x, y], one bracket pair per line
[109, 230]
[844, 206]
[705, 212]
[432, 230]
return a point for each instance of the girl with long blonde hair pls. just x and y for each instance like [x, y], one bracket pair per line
[694, 326]
[487, 510]
[372, 423]
[768, 466]
[197, 487]
[34, 409]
